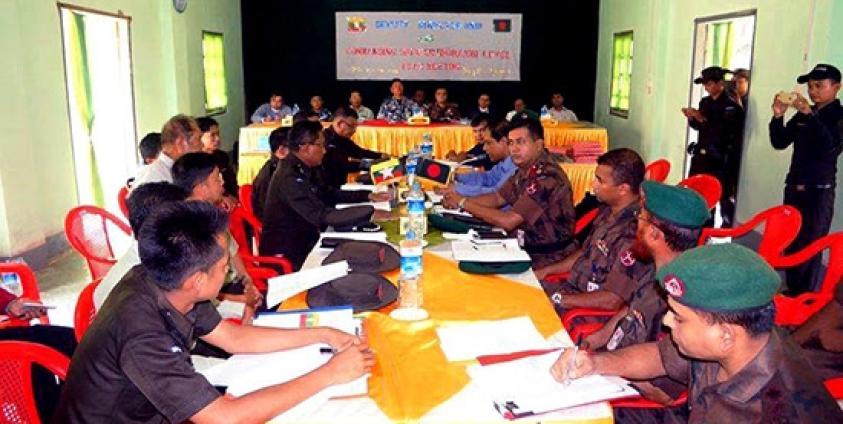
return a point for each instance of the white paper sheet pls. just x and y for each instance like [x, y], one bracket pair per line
[462, 342]
[381, 206]
[435, 198]
[503, 250]
[231, 309]
[528, 383]
[440, 209]
[339, 317]
[378, 236]
[285, 286]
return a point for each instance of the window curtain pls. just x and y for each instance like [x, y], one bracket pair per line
[81, 96]
[720, 42]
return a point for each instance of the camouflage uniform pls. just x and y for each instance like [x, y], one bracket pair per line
[542, 195]
[449, 112]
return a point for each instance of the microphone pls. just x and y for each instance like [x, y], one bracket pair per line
[474, 159]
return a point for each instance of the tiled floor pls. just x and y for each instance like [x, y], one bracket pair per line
[60, 283]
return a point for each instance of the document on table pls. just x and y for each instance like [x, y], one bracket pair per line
[355, 235]
[503, 250]
[439, 209]
[339, 317]
[231, 309]
[463, 342]
[434, 198]
[285, 286]
[525, 387]
[381, 206]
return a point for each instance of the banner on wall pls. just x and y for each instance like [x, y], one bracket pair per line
[428, 46]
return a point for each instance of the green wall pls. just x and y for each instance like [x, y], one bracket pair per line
[663, 36]
[36, 165]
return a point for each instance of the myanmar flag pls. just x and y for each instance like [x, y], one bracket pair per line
[386, 171]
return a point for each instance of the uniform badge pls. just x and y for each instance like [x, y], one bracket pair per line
[591, 286]
[532, 188]
[615, 340]
[556, 298]
[602, 247]
[638, 316]
[674, 285]
[627, 258]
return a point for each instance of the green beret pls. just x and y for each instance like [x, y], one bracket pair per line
[473, 267]
[678, 205]
[447, 224]
[720, 278]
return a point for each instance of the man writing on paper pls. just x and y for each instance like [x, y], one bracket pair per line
[481, 126]
[540, 194]
[476, 183]
[133, 366]
[723, 344]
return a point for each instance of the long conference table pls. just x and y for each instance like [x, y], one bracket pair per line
[412, 380]
[398, 139]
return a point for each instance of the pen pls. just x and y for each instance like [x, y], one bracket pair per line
[573, 361]
[326, 350]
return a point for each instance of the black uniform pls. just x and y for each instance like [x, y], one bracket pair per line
[299, 206]
[817, 142]
[719, 145]
[260, 185]
[338, 151]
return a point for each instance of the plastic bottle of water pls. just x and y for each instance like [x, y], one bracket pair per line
[544, 111]
[411, 163]
[427, 146]
[411, 254]
[416, 219]
[295, 109]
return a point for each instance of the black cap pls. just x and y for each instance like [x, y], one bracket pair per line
[712, 73]
[820, 72]
[363, 291]
[365, 256]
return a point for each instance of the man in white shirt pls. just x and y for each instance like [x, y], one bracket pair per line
[559, 112]
[180, 135]
[363, 113]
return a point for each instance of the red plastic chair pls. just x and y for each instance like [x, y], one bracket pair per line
[640, 402]
[781, 225]
[84, 313]
[657, 170]
[16, 395]
[246, 200]
[706, 185]
[93, 231]
[579, 226]
[122, 195]
[29, 290]
[797, 310]
[260, 268]
[835, 387]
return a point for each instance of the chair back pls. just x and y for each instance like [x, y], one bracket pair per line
[122, 195]
[584, 220]
[84, 313]
[238, 222]
[16, 393]
[246, 198]
[657, 171]
[781, 225]
[834, 270]
[29, 288]
[98, 236]
[706, 185]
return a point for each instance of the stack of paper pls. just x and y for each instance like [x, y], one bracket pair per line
[381, 206]
[439, 209]
[525, 387]
[355, 235]
[285, 286]
[462, 342]
[503, 250]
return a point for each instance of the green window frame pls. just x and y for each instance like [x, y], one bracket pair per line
[213, 63]
[621, 74]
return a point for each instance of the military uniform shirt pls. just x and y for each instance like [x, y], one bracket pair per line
[393, 109]
[720, 134]
[449, 112]
[338, 151]
[133, 366]
[541, 194]
[777, 386]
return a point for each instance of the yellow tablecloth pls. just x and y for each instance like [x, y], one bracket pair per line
[412, 375]
[398, 139]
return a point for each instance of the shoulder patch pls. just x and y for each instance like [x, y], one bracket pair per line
[627, 258]
[674, 285]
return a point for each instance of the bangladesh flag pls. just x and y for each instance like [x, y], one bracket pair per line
[435, 171]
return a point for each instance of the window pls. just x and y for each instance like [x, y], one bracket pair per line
[216, 92]
[621, 74]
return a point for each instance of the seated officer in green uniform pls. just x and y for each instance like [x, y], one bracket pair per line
[617, 183]
[723, 344]
[300, 204]
[134, 365]
[669, 223]
[540, 194]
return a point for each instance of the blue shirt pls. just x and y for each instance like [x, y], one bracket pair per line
[477, 183]
[393, 109]
[265, 111]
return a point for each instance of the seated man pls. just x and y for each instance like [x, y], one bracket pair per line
[442, 110]
[723, 345]
[134, 363]
[143, 201]
[342, 155]
[211, 144]
[822, 337]
[617, 182]
[480, 125]
[396, 108]
[260, 186]
[482, 182]
[300, 205]
[150, 147]
[540, 194]
[420, 99]
[273, 111]
[520, 111]
[179, 136]
[356, 104]
[317, 106]
[669, 223]
[484, 105]
[559, 112]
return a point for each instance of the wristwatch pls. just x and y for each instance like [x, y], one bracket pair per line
[461, 203]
